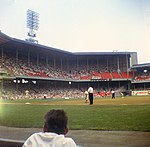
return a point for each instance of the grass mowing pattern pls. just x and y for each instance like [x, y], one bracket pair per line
[81, 116]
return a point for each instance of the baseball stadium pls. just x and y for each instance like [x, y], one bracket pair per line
[35, 78]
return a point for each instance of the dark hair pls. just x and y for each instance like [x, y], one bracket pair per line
[56, 121]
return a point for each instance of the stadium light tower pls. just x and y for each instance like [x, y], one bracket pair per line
[32, 25]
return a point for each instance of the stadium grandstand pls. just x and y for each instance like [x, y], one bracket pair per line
[30, 70]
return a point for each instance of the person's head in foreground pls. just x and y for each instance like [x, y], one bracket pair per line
[55, 127]
[56, 121]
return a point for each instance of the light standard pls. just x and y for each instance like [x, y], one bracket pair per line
[32, 25]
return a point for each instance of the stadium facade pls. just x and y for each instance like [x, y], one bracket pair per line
[27, 67]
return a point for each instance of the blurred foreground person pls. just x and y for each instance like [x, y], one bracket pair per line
[54, 129]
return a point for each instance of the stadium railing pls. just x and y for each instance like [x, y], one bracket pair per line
[13, 143]
[10, 143]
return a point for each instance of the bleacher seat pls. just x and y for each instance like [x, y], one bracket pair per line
[85, 77]
[116, 75]
[126, 75]
[106, 75]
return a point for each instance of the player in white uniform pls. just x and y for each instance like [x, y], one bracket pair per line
[90, 91]
[86, 96]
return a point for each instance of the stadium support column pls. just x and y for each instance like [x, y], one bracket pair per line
[17, 59]
[17, 56]
[2, 57]
[144, 86]
[17, 81]
[107, 63]
[37, 59]
[54, 63]
[108, 86]
[61, 64]
[78, 86]
[47, 60]
[98, 85]
[128, 85]
[68, 71]
[28, 57]
[1, 88]
[87, 65]
[97, 64]
[38, 85]
[77, 64]
[29, 85]
[127, 65]
[118, 64]
[133, 87]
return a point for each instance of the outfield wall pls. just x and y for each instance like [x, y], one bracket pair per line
[144, 92]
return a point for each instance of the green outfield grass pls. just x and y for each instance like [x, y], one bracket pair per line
[129, 113]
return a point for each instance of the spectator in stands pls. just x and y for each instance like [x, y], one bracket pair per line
[90, 91]
[55, 127]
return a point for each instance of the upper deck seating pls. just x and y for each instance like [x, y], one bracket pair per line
[142, 78]
[116, 75]
[85, 77]
[126, 75]
[106, 75]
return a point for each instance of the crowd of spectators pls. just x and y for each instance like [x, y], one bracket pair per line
[10, 91]
[142, 77]
[23, 67]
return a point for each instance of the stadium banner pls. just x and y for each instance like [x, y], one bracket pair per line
[144, 92]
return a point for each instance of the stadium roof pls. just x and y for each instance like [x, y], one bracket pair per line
[6, 40]
[102, 53]
[141, 65]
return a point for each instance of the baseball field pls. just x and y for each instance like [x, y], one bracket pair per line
[121, 114]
